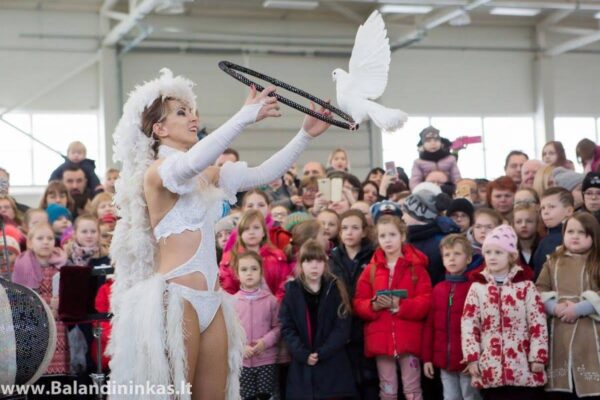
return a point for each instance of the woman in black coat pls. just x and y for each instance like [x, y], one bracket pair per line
[315, 325]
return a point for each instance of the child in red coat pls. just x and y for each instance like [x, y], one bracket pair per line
[441, 339]
[252, 235]
[394, 322]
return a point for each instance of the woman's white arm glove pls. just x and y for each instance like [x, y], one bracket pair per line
[178, 169]
[235, 177]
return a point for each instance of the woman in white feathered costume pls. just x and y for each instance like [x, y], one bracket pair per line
[172, 325]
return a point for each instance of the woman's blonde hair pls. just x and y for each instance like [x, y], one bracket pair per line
[100, 198]
[334, 152]
[312, 250]
[542, 178]
[38, 227]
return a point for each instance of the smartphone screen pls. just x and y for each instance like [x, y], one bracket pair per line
[390, 168]
[336, 189]
[325, 188]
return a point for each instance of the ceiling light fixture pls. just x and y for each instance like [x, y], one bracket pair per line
[515, 12]
[401, 9]
[291, 4]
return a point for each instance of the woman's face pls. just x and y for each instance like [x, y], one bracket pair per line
[57, 198]
[375, 177]
[370, 194]
[549, 155]
[502, 200]
[6, 209]
[179, 128]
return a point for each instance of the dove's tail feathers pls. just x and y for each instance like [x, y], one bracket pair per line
[385, 118]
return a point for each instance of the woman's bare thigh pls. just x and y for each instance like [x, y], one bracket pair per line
[211, 366]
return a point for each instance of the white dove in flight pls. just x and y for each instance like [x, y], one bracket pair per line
[367, 77]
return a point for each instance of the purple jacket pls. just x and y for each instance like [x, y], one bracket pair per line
[421, 168]
[258, 312]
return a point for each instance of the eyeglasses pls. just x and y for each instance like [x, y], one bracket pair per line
[592, 193]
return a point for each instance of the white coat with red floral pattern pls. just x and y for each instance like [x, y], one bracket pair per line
[504, 330]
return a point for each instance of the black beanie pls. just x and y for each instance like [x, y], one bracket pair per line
[463, 205]
[592, 179]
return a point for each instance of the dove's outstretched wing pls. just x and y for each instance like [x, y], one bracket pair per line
[370, 60]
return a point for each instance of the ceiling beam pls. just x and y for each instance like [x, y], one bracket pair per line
[123, 27]
[573, 44]
[344, 11]
[555, 17]
[433, 21]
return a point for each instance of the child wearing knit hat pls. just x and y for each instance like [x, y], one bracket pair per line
[571, 181]
[591, 192]
[504, 332]
[59, 218]
[422, 212]
[461, 212]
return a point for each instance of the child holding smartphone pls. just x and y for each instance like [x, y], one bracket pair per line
[393, 296]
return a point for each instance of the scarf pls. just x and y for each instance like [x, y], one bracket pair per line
[434, 156]
[28, 270]
[80, 255]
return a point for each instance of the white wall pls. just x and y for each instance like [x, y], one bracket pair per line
[454, 71]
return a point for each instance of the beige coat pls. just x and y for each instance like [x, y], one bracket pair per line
[574, 348]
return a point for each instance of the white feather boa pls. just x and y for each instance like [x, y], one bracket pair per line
[151, 348]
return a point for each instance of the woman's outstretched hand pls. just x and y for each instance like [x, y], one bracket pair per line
[313, 126]
[270, 106]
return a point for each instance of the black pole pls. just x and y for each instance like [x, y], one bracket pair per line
[5, 274]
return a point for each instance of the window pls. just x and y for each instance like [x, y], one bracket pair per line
[31, 163]
[471, 159]
[570, 130]
[400, 146]
[501, 136]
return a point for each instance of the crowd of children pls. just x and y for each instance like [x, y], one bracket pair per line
[431, 286]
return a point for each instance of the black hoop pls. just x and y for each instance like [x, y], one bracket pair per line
[231, 68]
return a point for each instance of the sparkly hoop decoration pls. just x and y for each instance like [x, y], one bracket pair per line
[232, 70]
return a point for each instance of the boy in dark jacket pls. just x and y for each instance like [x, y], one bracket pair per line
[76, 153]
[427, 227]
[557, 204]
[441, 338]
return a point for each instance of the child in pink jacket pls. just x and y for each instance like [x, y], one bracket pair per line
[258, 311]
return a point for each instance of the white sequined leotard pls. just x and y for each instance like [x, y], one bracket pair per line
[199, 206]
